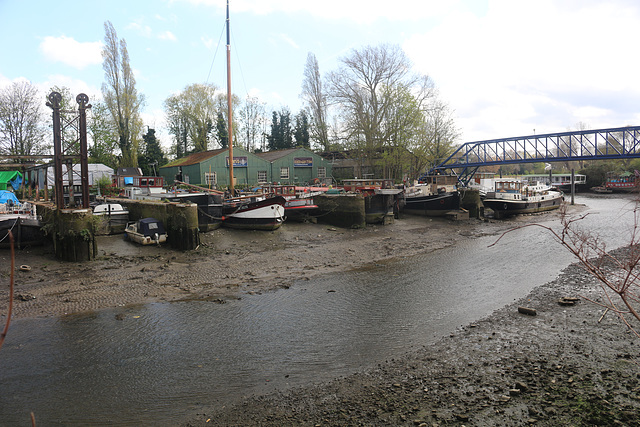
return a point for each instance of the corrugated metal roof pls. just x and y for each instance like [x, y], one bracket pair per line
[275, 155]
[195, 158]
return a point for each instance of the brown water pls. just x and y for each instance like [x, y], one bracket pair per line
[160, 363]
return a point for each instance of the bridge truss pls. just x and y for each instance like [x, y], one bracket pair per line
[601, 144]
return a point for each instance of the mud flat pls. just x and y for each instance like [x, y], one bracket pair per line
[227, 264]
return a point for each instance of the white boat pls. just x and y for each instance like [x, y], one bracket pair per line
[146, 231]
[114, 218]
[254, 213]
[512, 197]
[22, 219]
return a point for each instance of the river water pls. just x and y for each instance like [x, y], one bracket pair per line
[160, 363]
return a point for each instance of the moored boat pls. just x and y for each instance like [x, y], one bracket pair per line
[513, 197]
[437, 196]
[146, 231]
[22, 219]
[254, 212]
[299, 205]
[625, 182]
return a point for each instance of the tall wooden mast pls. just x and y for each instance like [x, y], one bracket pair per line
[229, 109]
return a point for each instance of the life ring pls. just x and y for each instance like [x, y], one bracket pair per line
[442, 202]
[505, 206]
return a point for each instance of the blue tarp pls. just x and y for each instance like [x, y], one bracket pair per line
[128, 180]
[8, 196]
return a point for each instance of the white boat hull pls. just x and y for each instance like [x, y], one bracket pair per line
[265, 214]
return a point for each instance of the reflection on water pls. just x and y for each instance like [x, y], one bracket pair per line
[161, 362]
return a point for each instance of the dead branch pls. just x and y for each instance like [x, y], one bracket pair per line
[619, 276]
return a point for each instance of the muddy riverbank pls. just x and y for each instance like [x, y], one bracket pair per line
[227, 264]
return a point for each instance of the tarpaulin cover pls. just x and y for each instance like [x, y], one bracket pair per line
[6, 196]
[10, 177]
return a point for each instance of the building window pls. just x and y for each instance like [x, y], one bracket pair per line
[262, 176]
[284, 173]
[210, 178]
[322, 172]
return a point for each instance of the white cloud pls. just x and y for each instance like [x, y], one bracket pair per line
[503, 72]
[143, 30]
[167, 35]
[71, 52]
[289, 41]
[76, 86]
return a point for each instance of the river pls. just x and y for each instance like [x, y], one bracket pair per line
[160, 363]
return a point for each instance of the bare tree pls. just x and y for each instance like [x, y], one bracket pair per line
[618, 276]
[438, 135]
[314, 96]
[120, 95]
[21, 121]
[252, 122]
[365, 89]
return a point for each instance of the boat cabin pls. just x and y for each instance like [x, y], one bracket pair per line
[625, 181]
[510, 186]
[366, 185]
[280, 190]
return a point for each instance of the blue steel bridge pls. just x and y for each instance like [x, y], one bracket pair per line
[601, 144]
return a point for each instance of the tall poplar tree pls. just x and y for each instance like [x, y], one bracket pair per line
[316, 100]
[120, 95]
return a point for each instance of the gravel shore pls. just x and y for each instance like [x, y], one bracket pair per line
[566, 366]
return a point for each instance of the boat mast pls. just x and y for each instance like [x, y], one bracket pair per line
[229, 109]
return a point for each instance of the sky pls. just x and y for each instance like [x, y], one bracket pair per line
[506, 68]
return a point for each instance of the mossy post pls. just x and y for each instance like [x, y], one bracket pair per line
[182, 226]
[72, 232]
[342, 210]
[471, 201]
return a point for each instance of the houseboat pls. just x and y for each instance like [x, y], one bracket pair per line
[436, 196]
[625, 182]
[561, 181]
[513, 196]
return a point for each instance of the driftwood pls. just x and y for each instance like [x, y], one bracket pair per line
[528, 311]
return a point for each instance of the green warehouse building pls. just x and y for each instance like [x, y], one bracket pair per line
[211, 168]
